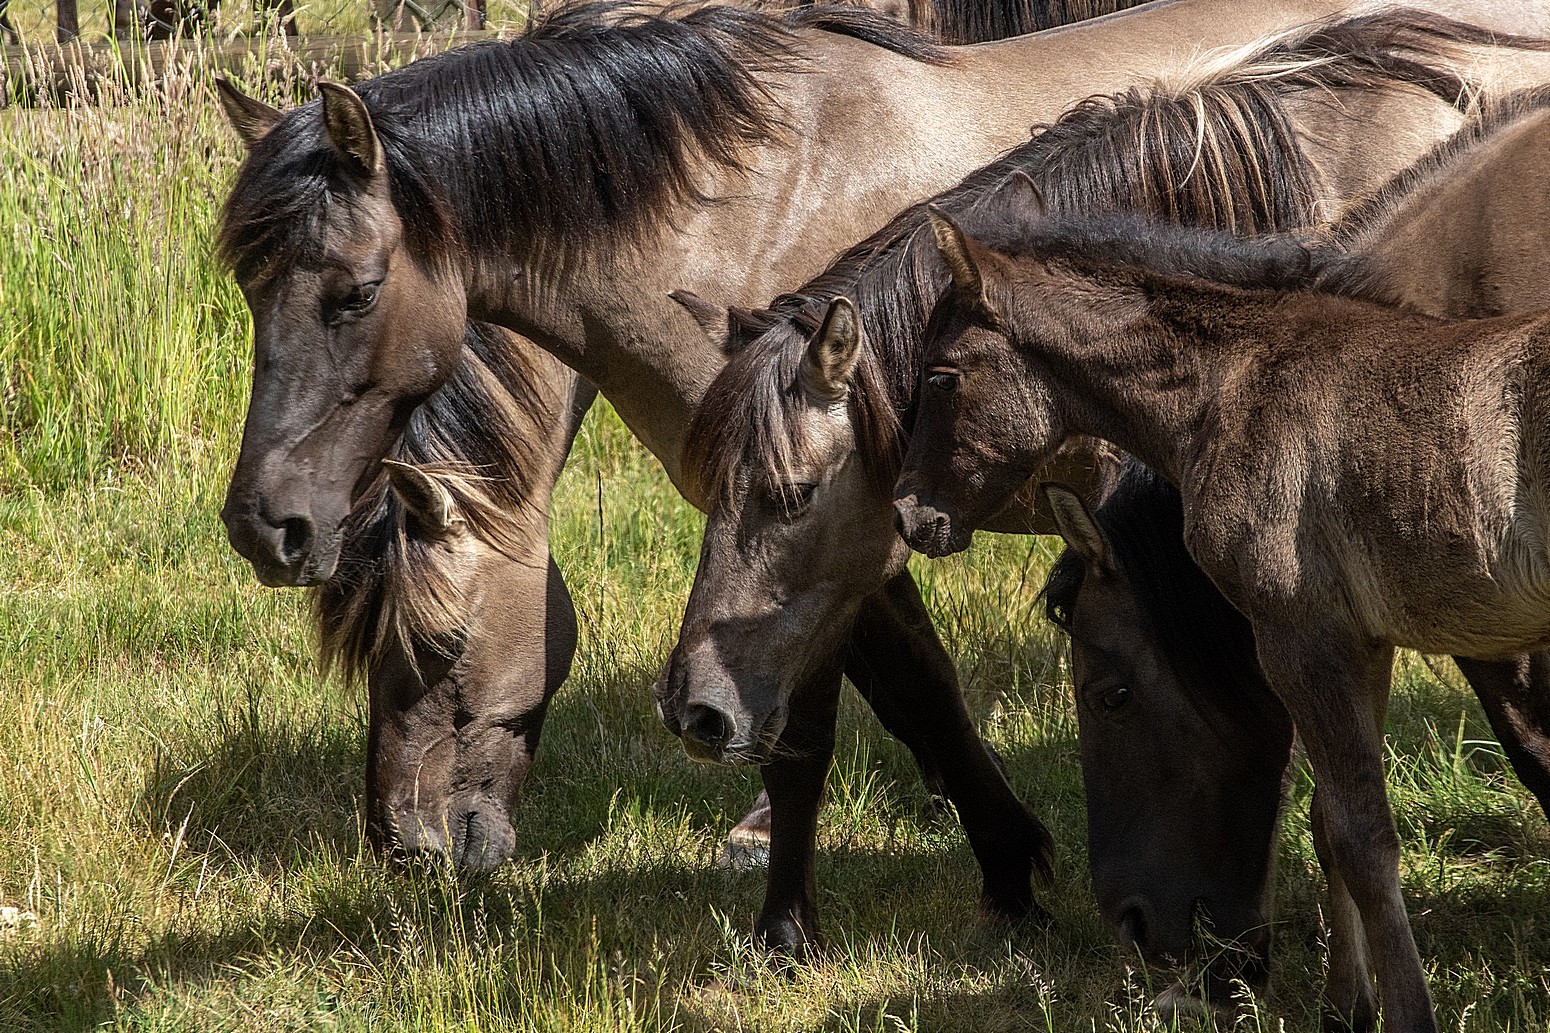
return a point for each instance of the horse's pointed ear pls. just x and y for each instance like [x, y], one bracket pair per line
[953, 246]
[249, 116]
[832, 354]
[350, 129]
[422, 495]
[1077, 526]
[713, 319]
[1025, 198]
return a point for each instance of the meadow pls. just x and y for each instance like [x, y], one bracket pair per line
[181, 842]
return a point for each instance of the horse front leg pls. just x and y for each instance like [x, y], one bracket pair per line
[1336, 688]
[897, 658]
[1515, 694]
[794, 782]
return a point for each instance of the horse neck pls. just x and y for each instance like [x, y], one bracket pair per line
[1145, 382]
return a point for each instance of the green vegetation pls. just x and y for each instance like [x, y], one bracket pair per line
[180, 816]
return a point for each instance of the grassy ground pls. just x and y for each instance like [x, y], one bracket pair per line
[180, 825]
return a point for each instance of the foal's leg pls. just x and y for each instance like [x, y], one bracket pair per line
[794, 780]
[1335, 687]
[1516, 696]
[894, 648]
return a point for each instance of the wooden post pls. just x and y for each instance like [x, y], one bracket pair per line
[69, 22]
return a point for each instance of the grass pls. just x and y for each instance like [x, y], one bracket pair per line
[180, 823]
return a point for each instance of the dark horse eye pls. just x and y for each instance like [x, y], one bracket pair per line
[942, 380]
[1115, 697]
[359, 300]
[795, 498]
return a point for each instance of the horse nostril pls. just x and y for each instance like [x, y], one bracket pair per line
[706, 725]
[297, 539]
[898, 523]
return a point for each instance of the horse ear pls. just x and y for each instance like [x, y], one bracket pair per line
[832, 354]
[350, 129]
[1024, 197]
[422, 495]
[971, 266]
[953, 246]
[713, 319]
[1076, 525]
[249, 116]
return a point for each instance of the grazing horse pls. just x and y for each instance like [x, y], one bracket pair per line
[798, 451]
[461, 654]
[1355, 477]
[1172, 706]
[467, 185]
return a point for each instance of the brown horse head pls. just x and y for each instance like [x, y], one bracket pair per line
[1184, 746]
[744, 648]
[352, 328]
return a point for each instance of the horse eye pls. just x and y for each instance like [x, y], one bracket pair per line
[943, 380]
[795, 498]
[360, 299]
[1115, 697]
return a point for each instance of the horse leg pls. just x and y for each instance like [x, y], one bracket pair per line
[1336, 688]
[1350, 1000]
[1516, 696]
[896, 656]
[794, 780]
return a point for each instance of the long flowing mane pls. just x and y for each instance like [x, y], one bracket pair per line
[584, 129]
[1221, 152]
[395, 589]
[1210, 645]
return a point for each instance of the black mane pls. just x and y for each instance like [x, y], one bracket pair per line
[976, 21]
[583, 129]
[1210, 645]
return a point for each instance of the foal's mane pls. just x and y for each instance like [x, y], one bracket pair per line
[480, 437]
[585, 129]
[1221, 152]
[1493, 117]
[1209, 643]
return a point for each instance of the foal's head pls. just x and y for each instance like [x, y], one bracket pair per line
[353, 326]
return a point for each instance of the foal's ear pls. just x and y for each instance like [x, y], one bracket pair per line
[1076, 525]
[422, 495]
[350, 129]
[1024, 198]
[969, 264]
[713, 319]
[249, 116]
[831, 354]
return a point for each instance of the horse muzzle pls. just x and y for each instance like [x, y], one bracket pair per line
[928, 530]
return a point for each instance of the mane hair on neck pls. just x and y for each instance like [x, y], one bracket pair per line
[1221, 153]
[1493, 116]
[581, 132]
[396, 588]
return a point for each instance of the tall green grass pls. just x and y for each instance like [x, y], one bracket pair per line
[180, 816]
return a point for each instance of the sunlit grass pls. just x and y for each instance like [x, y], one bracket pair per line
[180, 794]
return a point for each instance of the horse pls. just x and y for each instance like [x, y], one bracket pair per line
[488, 201]
[1355, 476]
[1181, 738]
[799, 464]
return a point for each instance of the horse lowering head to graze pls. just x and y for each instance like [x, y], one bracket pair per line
[1355, 477]
[1172, 705]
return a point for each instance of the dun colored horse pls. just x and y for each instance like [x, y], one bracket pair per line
[380, 220]
[1355, 477]
[1172, 706]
